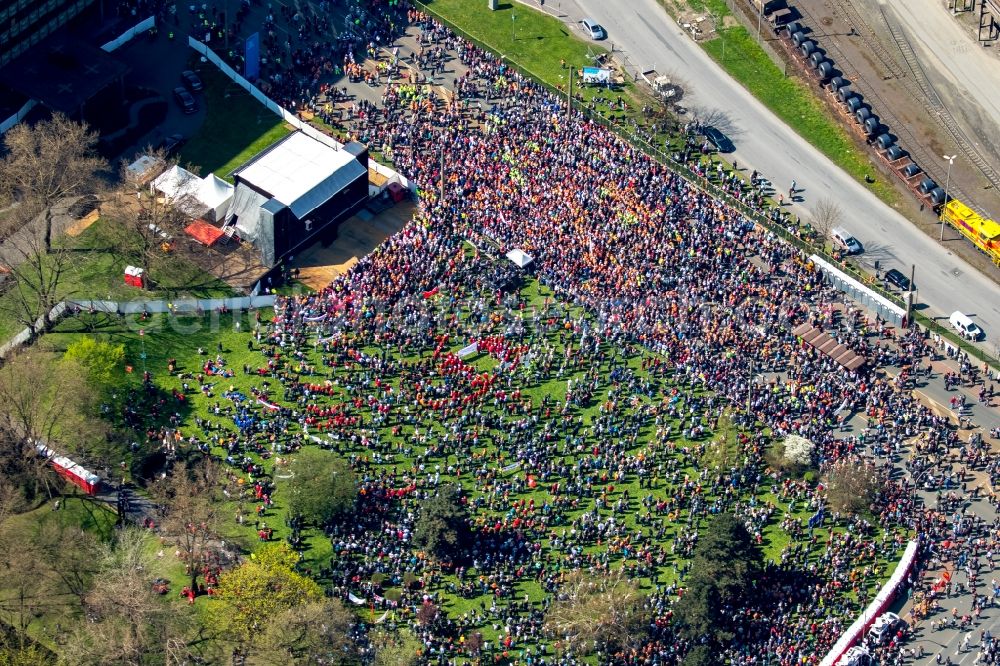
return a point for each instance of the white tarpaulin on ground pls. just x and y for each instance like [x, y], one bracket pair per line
[145, 168]
[520, 258]
[468, 351]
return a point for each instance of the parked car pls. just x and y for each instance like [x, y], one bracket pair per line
[965, 326]
[185, 100]
[897, 279]
[191, 80]
[719, 140]
[170, 144]
[845, 241]
[594, 29]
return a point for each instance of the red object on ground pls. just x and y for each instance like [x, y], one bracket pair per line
[134, 277]
[396, 191]
[76, 474]
[203, 232]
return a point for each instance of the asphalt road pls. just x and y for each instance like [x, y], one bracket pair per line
[652, 40]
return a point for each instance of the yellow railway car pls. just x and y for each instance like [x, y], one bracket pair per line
[984, 233]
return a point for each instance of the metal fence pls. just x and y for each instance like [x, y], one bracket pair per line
[177, 307]
[859, 292]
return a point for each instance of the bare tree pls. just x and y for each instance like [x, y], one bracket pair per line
[45, 399]
[593, 609]
[825, 215]
[852, 485]
[140, 218]
[38, 275]
[46, 163]
[24, 594]
[191, 505]
[127, 622]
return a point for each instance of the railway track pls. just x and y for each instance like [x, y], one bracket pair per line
[879, 105]
[850, 15]
[934, 104]
[914, 80]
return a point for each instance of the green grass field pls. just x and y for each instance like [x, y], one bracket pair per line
[532, 40]
[236, 128]
[95, 271]
[537, 44]
[675, 459]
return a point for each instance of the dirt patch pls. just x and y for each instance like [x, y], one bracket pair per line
[700, 25]
[356, 237]
[82, 224]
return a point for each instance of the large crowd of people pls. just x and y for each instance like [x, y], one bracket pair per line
[585, 427]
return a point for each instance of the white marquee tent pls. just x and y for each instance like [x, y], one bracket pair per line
[520, 258]
[207, 197]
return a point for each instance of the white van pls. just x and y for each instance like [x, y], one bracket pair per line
[856, 656]
[965, 326]
[848, 243]
[883, 628]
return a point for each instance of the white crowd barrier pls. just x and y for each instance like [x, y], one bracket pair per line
[19, 116]
[878, 606]
[180, 306]
[142, 26]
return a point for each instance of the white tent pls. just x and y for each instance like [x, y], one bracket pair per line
[520, 258]
[207, 197]
[216, 194]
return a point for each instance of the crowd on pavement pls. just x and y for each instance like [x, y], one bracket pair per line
[583, 426]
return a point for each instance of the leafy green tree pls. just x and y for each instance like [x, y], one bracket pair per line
[323, 485]
[103, 361]
[442, 527]
[315, 632]
[699, 655]
[726, 564]
[592, 610]
[25, 655]
[398, 648]
[258, 590]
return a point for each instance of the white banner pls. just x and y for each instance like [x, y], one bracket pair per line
[468, 351]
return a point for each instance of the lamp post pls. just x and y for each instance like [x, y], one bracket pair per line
[947, 183]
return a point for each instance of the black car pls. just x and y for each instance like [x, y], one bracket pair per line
[897, 279]
[191, 80]
[171, 143]
[719, 140]
[185, 100]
